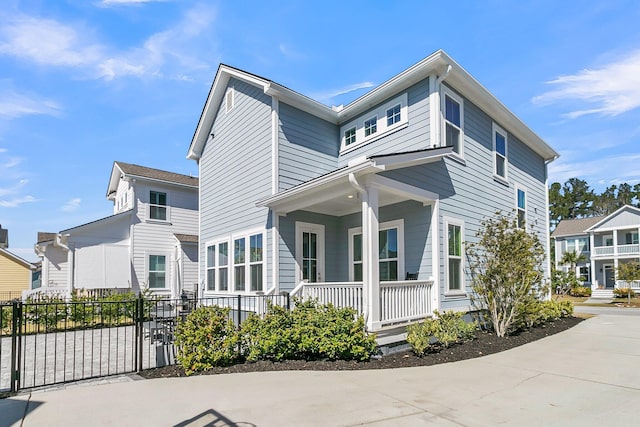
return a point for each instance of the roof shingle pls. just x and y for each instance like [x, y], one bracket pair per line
[574, 227]
[145, 172]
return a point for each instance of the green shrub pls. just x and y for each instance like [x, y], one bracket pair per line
[580, 291]
[540, 312]
[441, 332]
[205, 339]
[623, 292]
[310, 331]
[47, 313]
[5, 318]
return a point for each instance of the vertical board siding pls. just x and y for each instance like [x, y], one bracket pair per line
[414, 137]
[235, 168]
[307, 147]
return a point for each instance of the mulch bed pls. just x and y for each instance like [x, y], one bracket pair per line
[485, 344]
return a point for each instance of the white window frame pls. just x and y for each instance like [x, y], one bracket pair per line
[518, 208]
[498, 130]
[380, 114]
[319, 229]
[229, 99]
[167, 270]
[166, 206]
[457, 223]
[231, 264]
[399, 225]
[446, 92]
[370, 123]
[353, 135]
[393, 115]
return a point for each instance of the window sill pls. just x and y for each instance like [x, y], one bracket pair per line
[458, 158]
[369, 140]
[500, 180]
[455, 294]
[157, 221]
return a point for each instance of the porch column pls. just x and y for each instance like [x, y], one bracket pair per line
[370, 258]
[592, 270]
[615, 243]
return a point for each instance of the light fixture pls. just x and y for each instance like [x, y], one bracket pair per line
[350, 196]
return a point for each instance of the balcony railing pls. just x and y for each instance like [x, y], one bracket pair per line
[624, 284]
[622, 250]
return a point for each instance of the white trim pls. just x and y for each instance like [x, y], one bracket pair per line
[275, 166]
[168, 272]
[167, 205]
[229, 99]
[495, 129]
[382, 129]
[398, 224]
[526, 203]
[320, 250]
[459, 223]
[446, 92]
[434, 231]
[275, 253]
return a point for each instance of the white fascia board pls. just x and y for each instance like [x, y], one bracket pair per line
[161, 181]
[404, 160]
[611, 215]
[302, 190]
[405, 190]
[99, 222]
[116, 172]
[17, 259]
[301, 102]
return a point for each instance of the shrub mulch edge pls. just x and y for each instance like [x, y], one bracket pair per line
[486, 343]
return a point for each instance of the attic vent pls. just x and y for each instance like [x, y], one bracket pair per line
[229, 99]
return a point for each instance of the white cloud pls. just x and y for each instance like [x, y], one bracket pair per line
[71, 205]
[173, 52]
[17, 201]
[327, 96]
[610, 90]
[14, 188]
[14, 105]
[604, 170]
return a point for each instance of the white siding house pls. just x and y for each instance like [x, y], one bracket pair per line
[368, 204]
[150, 241]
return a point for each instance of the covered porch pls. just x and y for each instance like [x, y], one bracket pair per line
[357, 238]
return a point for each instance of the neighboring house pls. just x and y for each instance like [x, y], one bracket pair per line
[150, 241]
[605, 242]
[368, 205]
[15, 275]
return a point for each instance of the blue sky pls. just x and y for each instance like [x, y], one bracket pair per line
[87, 82]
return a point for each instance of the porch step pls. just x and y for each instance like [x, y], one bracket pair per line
[602, 293]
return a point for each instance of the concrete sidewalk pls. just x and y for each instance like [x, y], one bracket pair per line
[585, 376]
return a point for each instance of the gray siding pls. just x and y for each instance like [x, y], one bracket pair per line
[307, 147]
[622, 220]
[414, 137]
[235, 168]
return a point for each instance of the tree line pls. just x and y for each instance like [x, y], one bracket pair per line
[576, 199]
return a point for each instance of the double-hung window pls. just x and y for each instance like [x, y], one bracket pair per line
[391, 251]
[393, 115]
[499, 152]
[239, 264]
[218, 267]
[455, 270]
[157, 271]
[158, 205]
[631, 238]
[453, 119]
[521, 207]
[350, 136]
[256, 261]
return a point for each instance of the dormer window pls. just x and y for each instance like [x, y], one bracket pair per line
[158, 205]
[350, 136]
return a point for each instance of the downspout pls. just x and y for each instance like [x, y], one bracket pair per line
[437, 108]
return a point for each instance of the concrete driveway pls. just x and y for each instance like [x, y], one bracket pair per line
[585, 376]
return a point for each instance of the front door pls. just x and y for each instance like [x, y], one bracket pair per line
[309, 252]
[609, 276]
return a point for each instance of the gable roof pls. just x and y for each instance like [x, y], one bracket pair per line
[136, 171]
[17, 259]
[438, 63]
[616, 213]
[574, 227]
[186, 238]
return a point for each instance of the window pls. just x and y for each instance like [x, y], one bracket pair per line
[500, 152]
[370, 126]
[158, 205]
[631, 238]
[393, 115]
[350, 136]
[583, 274]
[391, 251]
[454, 256]
[522, 208]
[453, 117]
[229, 100]
[571, 245]
[583, 245]
[157, 271]
[608, 240]
[239, 264]
[255, 262]
[218, 267]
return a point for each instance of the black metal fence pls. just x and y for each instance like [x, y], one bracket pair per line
[46, 343]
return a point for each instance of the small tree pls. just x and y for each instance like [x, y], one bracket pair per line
[506, 267]
[629, 271]
[572, 259]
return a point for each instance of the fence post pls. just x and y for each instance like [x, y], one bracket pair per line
[239, 317]
[16, 317]
[139, 331]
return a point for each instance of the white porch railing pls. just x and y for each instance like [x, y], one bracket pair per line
[603, 250]
[633, 284]
[46, 292]
[622, 250]
[400, 302]
[628, 249]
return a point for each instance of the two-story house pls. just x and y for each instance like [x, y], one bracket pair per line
[604, 242]
[150, 241]
[369, 204]
[15, 273]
